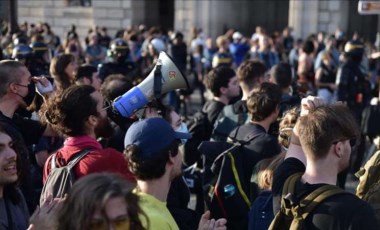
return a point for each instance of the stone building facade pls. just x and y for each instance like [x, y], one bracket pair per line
[214, 16]
[60, 15]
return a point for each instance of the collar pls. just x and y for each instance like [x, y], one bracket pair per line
[148, 198]
[240, 107]
[257, 126]
[82, 141]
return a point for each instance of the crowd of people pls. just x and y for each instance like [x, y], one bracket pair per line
[56, 101]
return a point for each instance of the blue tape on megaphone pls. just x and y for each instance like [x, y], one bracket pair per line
[130, 101]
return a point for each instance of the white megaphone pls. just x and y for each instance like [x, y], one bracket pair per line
[164, 77]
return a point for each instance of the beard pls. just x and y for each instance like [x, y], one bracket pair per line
[104, 128]
[177, 171]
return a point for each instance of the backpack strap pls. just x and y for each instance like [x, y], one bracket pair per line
[312, 200]
[237, 179]
[53, 163]
[77, 157]
[300, 210]
[240, 118]
[287, 200]
[290, 184]
[252, 135]
[72, 162]
[248, 137]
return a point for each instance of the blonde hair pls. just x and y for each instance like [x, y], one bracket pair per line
[326, 55]
[221, 41]
[265, 170]
[286, 126]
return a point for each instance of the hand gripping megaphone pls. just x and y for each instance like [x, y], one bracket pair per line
[164, 77]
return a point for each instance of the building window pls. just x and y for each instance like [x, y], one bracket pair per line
[85, 3]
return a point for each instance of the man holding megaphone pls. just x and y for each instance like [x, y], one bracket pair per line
[164, 77]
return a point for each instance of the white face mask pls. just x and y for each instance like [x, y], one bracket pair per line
[182, 129]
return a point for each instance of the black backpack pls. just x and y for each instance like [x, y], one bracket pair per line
[227, 197]
[200, 128]
[227, 121]
[61, 179]
[293, 214]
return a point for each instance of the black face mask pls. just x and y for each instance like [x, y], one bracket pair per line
[121, 59]
[28, 99]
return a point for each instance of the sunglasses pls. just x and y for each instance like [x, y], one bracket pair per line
[103, 224]
[352, 142]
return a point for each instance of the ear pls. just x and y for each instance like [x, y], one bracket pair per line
[92, 120]
[223, 90]
[278, 107]
[171, 158]
[338, 149]
[13, 87]
[276, 111]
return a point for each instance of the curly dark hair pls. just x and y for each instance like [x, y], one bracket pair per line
[92, 192]
[149, 168]
[68, 111]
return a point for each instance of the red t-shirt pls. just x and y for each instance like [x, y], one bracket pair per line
[97, 160]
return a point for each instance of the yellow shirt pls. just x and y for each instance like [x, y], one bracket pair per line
[158, 215]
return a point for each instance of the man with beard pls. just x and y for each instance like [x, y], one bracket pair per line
[320, 148]
[13, 209]
[79, 114]
[156, 161]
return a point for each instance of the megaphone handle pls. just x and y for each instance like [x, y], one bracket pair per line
[157, 82]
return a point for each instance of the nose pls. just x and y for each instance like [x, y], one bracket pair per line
[10, 153]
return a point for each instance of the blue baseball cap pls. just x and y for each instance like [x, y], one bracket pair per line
[152, 135]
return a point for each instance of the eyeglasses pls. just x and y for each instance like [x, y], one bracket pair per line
[26, 86]
[105, 108]
[106, 105]
[103, 224]
[352, 142]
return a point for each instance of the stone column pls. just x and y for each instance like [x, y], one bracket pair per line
[303, 17]
[332, 15]
[209, 15]
[312, 16]
[184, 17]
